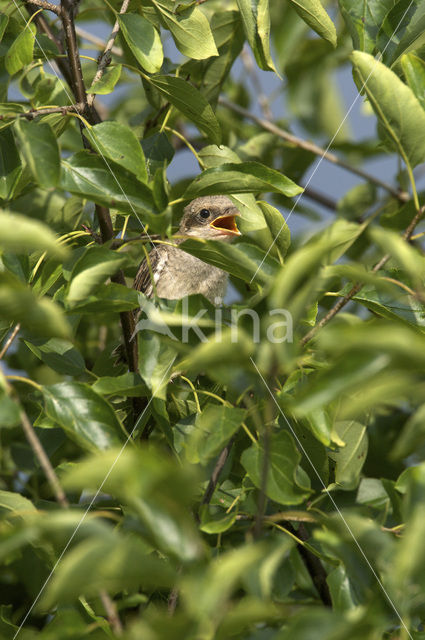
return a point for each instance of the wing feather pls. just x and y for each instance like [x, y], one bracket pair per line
[143, 279]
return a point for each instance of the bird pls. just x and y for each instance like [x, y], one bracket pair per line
[171, 273]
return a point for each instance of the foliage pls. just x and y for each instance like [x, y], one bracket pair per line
[258, 481]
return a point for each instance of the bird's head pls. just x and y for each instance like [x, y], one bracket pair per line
[210, 217]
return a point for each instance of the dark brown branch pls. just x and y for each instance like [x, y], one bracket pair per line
[358, 286]
[313, 148]
[319, 197]
[78, 86]
[35, 113]
[313, 564]
[105, 58]
[216, 472]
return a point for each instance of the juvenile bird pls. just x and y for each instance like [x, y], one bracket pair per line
[177, 274]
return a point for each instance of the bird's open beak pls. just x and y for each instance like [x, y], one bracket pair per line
[227, 224]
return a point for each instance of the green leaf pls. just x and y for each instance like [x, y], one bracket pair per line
[313, 13]
[155, 362]
[91, 269]
[244, 177]
[256, 22]
[15, 503]
[83, 414]
[129, 567]
[108, 298]
[4, 20]
[158, 152]
[41, 151]
[414, 70]
[128, 384]
[401, 30]
[21, 51]
[86, 175]
[278, 228]
[20, 234]
[364, 20]
[9, 411]
[408, 258]
[395, 105]
[118, 143]
[46, 317]
[10, 164]
[60, 355]
[213, 429]
[350, 459]
[217, 523]
[243, 260]
[191, 103]
[190, 30]
[143, 40]
[412, 437]
[107, 82]
[283, 484]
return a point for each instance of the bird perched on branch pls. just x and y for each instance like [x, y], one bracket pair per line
[172, 272]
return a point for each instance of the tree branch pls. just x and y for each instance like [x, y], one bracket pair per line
[313, 148]
[44, 461]
[313, 564]
[78, 86]
[43, 4]
[35, 113]
[216, 472]
[105, 58]
[9, 340]
[86, 35]
[358, 286]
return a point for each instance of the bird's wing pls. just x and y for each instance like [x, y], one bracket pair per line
[152, 269]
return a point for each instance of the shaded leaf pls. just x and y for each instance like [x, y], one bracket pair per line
[414, 70]
[10, 164]
[283, 481]
[41, 151]
[86, 416]
[90, 270]
[191, 103]
[350, 458]
[213, 429]
[60, 355]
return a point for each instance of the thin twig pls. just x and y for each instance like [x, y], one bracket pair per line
[319, 197]
[43, 4]
[86, 35]
[10, 340]
[105, 58]
[358, 286]
[216, 472]
[313, 148]
[44, 461]
[78, 86]
[35, 113]
[111, 612]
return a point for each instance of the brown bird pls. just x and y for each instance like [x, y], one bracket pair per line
[176, 274]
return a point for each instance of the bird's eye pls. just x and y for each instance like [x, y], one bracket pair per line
[204, 213]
